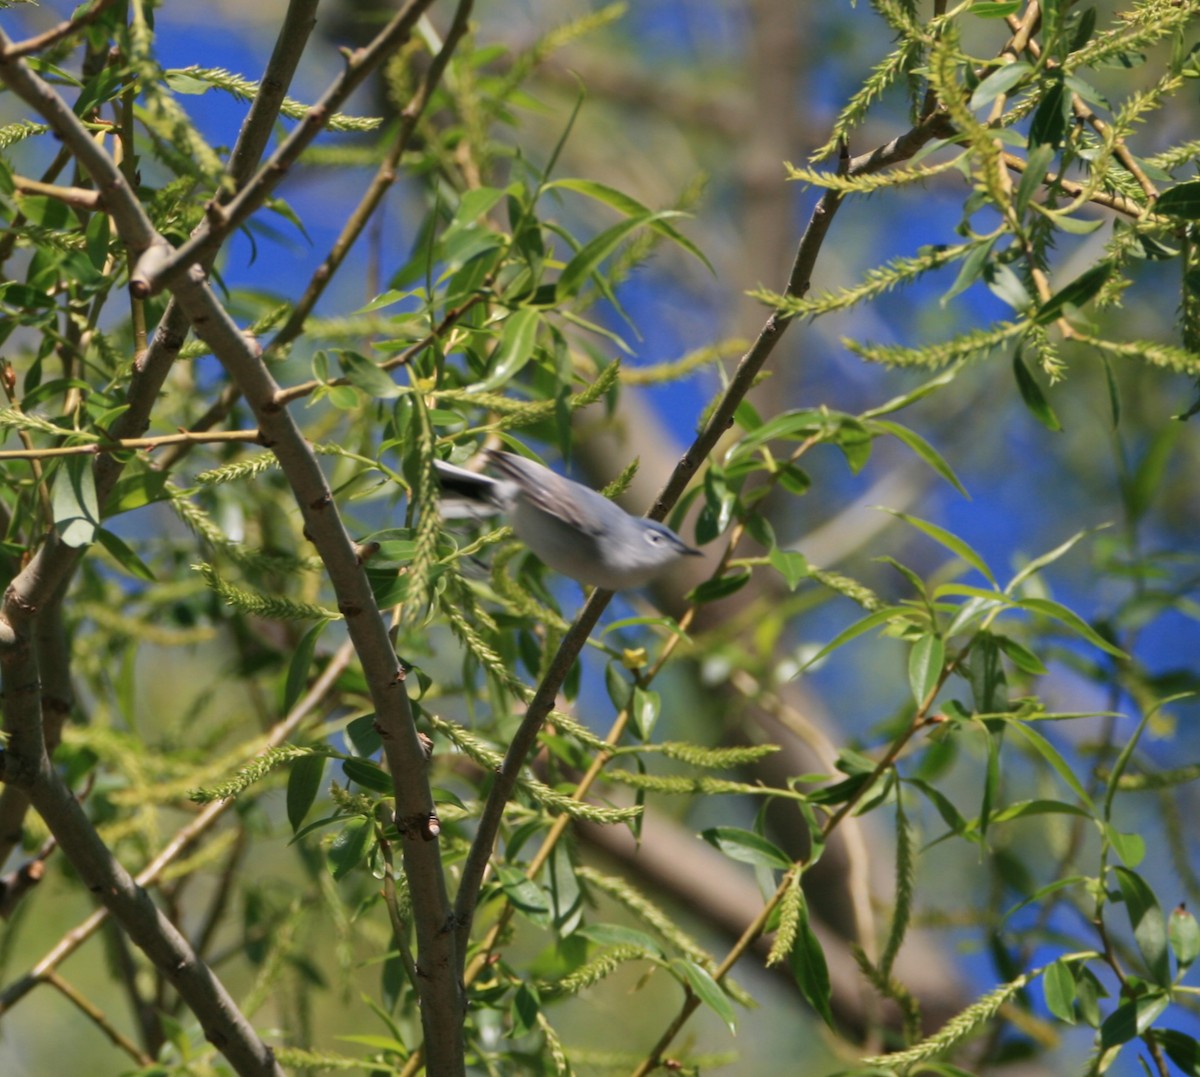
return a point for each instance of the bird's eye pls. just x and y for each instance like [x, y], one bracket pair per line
[653, 537]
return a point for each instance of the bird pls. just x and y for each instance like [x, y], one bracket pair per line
[572, 528]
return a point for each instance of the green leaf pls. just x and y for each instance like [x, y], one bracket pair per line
[524, 893]
[1049, 124]
[1131, 848]
[620, 935]
[1131, 1019]
[952, 542]
[631, 207]
[351, 846]
[1051, 755]
[1037, 164]
[925, 662]
[134, 491]
[97, 240]
[645, 710]
[1058, 984]
[298, 667]
[746, 846]
[708, 991]
[1058, 612]
[864, 624]
[1181, 1049]
[1182, 200]
[923, 449]
[971, 270]
[790, 564]
[369, 775]
[587, 259]
[999, 82]
[1031, 393]
[722, 587]
[1149, 926]
[514, 350]
[304, 783]
[76, 510]
[524, 1010]
[124, 556]
[808, 966]
[367, 376]
[1021, 656]
[1039, 563]
[620, 691]
[995, 9]
[1184, 935]
[1075, 294]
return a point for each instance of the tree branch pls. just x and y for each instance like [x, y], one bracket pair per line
[156, 270]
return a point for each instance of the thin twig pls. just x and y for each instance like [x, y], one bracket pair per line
[44, 40]
[152, 273]
[93, 448]
[97, 1017]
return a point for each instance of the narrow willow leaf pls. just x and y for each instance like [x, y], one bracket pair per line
[621, 935]
[350, 847]
[1037, 164]
[1181, 1049]
[587, 259]
[514, 349]
[810, 968]
[925, 663]
[298, 667]
[1031, 393]
[971, 269]
[708, 991]
[1131, 1019]
[304, 783]
[73, 501]
[1076, 294]
[1051, 755]
[1058, 985]
[1182, 200]
[631, 207]
[865, 624]
[746, 846]
[124, 555]
[952, 542]
[1184, 935]
[367, 376]
[369, 775]
[645, 708]
[790, 564]
[1039, 563]
[524, 893]
[999, 82]
[1148, 923]
[1056, 610]
[722, 587]
[923, 449]
[1021, 656]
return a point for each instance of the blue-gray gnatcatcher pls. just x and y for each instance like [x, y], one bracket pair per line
[573, 529]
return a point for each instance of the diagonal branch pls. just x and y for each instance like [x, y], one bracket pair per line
[440, 990]
[30, 45]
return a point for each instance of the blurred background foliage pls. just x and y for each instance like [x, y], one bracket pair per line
[993, 842]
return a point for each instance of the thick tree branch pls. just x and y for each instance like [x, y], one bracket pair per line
[441, 995]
